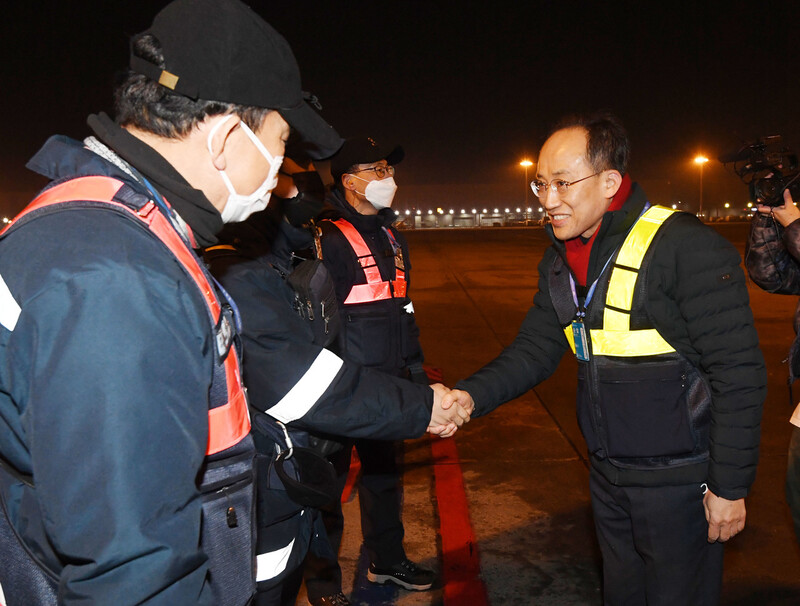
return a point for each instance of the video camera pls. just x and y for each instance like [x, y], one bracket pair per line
[767, 169]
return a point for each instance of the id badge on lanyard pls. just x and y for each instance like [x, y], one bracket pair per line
[579, 337]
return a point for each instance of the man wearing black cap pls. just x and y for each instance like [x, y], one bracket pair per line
[286, 359]
[368, 261]
[125, 455]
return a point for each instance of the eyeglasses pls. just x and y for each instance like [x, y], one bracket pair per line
[557, 186]
[380, 171]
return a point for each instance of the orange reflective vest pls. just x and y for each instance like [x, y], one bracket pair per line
[228, 421]
[376, 288]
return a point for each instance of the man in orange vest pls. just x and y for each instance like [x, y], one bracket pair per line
[125, 455]
[368, 261]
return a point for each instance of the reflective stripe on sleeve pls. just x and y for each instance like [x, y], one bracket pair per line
[308, 389]
[271, 564]
[9, 308]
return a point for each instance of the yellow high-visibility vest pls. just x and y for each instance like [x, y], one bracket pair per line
[616, 338]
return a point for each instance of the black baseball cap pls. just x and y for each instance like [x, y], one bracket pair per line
[221, 50]
[362, 150]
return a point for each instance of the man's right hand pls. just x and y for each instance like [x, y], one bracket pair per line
[445, 417]
[462, 398]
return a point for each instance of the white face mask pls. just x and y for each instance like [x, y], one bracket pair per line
[239, 207]
[380, 193]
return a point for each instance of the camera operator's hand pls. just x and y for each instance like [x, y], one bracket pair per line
[786, 214]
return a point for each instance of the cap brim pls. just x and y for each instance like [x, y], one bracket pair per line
[395, 156]
[319, 138]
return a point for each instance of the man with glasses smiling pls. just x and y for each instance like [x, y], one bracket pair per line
[671, 381]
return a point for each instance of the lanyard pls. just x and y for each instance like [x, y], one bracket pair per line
[581, 313]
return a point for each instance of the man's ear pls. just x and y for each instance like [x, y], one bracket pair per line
[611, 181]
[218, 138]
[347, 182]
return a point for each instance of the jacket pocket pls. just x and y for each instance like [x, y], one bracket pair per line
[368, 339]
[645, 412]
[228, 536]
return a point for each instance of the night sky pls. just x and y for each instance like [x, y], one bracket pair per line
[468, 88]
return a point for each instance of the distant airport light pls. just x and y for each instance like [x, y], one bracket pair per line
[474, 211]
[485, 211]
[419, 212]
[408, 212]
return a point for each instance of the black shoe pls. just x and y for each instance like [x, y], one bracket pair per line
[406, 574]
[338, 599]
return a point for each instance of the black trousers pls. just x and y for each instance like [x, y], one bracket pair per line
[654, 545]
[380, 498]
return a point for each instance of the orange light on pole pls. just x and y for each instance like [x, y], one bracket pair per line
[526, 164]
[701, 160]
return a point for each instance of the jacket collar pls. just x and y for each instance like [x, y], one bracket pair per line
[191, 204]
[339, 208]
[63, 158]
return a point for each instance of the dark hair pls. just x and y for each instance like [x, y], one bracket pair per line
[147, 105]
[607, 144]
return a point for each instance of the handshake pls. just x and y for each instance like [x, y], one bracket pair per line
[451, 409]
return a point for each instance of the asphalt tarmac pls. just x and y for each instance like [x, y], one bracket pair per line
[524, 468]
